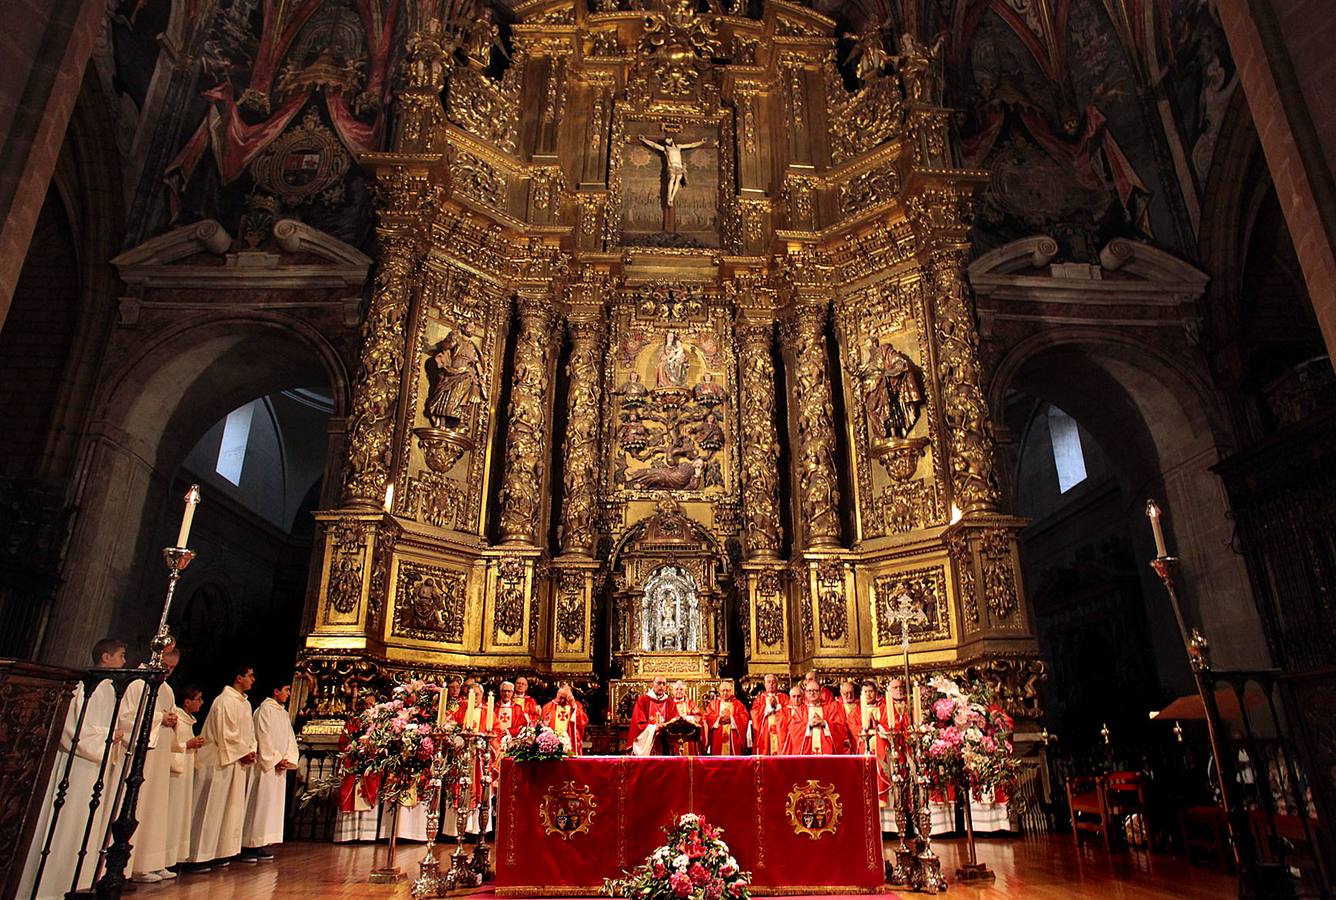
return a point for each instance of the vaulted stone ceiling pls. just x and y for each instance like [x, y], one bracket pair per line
[1097, 118]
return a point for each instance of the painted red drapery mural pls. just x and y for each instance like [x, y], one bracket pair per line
[563, 827]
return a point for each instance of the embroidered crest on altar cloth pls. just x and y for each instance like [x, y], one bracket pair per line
[567, 810]
[814, 809]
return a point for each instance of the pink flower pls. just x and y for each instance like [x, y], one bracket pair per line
[428, 746]
[944, 708]
[397, 726]
[714, 890]
[736, 888]
[680, 884]
[698, 874]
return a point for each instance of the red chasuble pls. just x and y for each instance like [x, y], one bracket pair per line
[477, 720]
[815, 731]
[531, 708]
[727, 724]
[869, 734]
[509, 719]
[770, 723]
[569, 722]
[650, 710]
[688, 710]
[851, 720]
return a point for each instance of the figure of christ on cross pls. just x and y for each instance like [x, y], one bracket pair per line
[673, 160]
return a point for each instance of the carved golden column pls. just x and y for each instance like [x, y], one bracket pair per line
[527, 427]
[376, 394]
[941, 218]
[814, 414]
[579, 534]
[760, 443]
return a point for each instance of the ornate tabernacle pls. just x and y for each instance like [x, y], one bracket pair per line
[670, 363]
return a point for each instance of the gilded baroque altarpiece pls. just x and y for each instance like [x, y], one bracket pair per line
[670, 365]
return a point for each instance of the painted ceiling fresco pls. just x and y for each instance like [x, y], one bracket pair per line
[1097, 118]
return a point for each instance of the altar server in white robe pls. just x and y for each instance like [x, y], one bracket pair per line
[221, 773]
[154, 841]
[181, 798]
[276, 747]
[58, 873]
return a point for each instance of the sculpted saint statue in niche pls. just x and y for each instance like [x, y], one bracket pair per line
[894, 393]
[708, 392]
[455, 379]
[673, 159]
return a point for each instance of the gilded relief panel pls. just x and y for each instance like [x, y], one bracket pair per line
[888, 394]
[451, 396]
[672, 397]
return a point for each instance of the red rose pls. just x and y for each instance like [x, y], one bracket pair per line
[698, 874]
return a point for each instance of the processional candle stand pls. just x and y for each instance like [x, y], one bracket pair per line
[112, 880]
[917, 866]
[429, 882]
[1255, 879]
[390, 872]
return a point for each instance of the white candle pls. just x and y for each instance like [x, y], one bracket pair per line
[389, 497]
[192, 500]
[1153, 513]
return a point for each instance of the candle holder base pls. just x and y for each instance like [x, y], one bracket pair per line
[975, 872]
[930, 878]
[385, 876]
[481, 863]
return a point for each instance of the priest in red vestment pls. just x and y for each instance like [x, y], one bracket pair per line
[527, 703]
[567, 718]
[726, 721]
[507, 721]
[684, 708]
[826, 695]
[870, 731]
[770, 719]
[653, 708]
[816, 728]
[849, 701]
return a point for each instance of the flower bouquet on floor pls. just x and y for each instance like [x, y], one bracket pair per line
[965, 747]
[389, 748]
[535, 743]
[694, 864]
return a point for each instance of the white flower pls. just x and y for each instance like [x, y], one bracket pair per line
[680, 862]
[731, 862]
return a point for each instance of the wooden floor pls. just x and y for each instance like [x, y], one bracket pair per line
[1036, 868]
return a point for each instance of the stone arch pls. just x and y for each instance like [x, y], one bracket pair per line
[1157, 416]
[151, 410]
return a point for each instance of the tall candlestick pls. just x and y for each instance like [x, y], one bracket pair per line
[491, 705]
[915, 705]
[192, 500]
[1153, 513]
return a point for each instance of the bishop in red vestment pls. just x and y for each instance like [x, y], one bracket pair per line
[870, 732]
[507, 721]
[527, 703]
[684, 708]
[770, 719]
[726, 721]
[850, 703]
[826, 695]
[567, 718]
[816, 728]
[653, 708]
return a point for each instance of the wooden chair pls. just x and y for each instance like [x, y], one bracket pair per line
[1090, 813]
[1127, 794]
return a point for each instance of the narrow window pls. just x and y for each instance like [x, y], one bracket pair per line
[232, 450]
[1067, 455]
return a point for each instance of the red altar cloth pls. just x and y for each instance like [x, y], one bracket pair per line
[549, 844]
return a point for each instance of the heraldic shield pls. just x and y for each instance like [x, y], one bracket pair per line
[568, 810]
[814, 809]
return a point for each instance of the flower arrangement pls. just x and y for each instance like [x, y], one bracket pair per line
[966, 736]
[392, 743]
[535, 743]
[694, 864]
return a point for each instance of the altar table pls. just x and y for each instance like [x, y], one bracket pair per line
[799, 824]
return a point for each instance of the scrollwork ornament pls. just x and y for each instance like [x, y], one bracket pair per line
[999, 579]
[830, 587]
[570, 607]
[510, 572]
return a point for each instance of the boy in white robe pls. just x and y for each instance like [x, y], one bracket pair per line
[276, 746]
[220, 778]
[58, 871]
[181, 798]
[152, 838]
